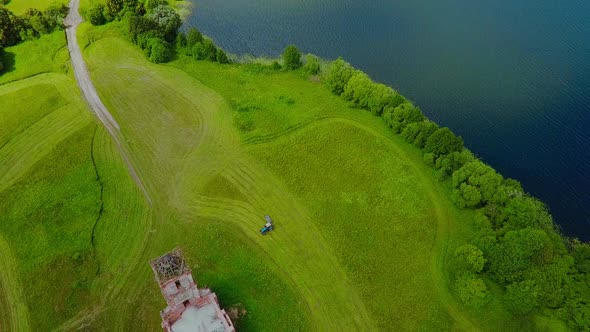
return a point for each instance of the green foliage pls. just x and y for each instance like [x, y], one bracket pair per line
[338, 76]
[522, 297]
[442, 142]
[524, 211]
[478, 175]
[181, 41]
[168, 21]
[1, 59]
[312, 65]
[381, 97]
[581, 254]
[193, 36]
[418, 132]
[449, 163]
[10, 26]
[358, 90]
[113, 8]
[221, 56]
[517, 252]
[96, 14]
[399, 117]
[158, 50]
[470, 257]
[291, 57]
[471, 290]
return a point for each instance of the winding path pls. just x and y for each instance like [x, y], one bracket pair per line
[89, 91]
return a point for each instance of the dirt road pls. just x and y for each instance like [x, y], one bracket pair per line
[89, 91]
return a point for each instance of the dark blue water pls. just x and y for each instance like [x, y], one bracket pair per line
[511, 77]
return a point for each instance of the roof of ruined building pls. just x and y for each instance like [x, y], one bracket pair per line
[169, 265]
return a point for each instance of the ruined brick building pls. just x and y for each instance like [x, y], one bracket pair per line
[189, 308]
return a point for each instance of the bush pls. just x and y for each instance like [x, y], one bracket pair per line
[1, 59]
[381, 97]
[96, 14]
[291, 57]
[522, 297]
[312, 64]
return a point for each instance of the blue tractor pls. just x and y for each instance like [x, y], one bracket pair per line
[268, 226]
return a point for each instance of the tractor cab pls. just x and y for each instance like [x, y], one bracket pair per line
[268, 226]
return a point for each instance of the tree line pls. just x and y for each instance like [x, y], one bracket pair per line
[516, 242]
[32, 24]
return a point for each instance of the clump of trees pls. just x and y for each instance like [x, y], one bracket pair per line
[516, 243]
[32, 24]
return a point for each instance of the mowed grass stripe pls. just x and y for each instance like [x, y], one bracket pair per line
[25, 149]
[14, 313]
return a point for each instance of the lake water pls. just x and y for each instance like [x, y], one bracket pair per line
[511, 77]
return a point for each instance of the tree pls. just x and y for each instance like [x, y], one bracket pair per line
[524, 211]
[418, 132]
[221, 56]
[158, 50]
[522, 297]
[1, 59]
[210, 50]
[470, 258]
[338, 76]
[516, 253]
[442, 142]
[10, 26]
[112, 9]
[168, 21]
[471, 290]
[312, 64]
[291, 57]
[358, 90]
[193, 36]
[401, 116]
[140, 25]
[383, 96]
[448, 163]
[467, 196]
[96, 14]
[479, 175]
[181, 41]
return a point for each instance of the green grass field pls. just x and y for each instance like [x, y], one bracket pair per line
[20, 6]
[363, 228]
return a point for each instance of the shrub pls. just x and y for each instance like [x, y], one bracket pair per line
[312, 64]
[291, 57]
[96, 14]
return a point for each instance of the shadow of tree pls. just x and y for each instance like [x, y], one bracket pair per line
[8, 60]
